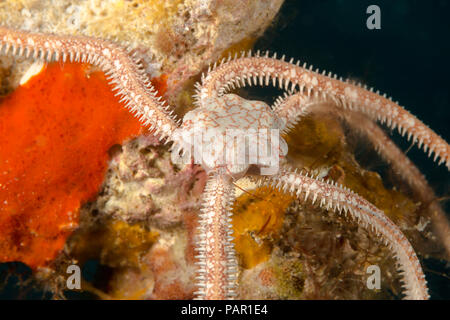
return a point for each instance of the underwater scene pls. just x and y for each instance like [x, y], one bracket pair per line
[213, 150]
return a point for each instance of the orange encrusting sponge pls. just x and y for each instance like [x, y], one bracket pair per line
[55, 132]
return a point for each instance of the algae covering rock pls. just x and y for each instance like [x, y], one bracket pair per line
[178, 38]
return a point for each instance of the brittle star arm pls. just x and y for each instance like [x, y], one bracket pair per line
[122, 70]
[407, 171]
[290, 108]
[217, 267]
[340, 199]
[261, 69]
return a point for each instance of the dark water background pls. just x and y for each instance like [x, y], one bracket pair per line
[408, 59]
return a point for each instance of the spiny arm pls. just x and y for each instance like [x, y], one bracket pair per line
[123, 71]
[291, 107]
[216, 276]
[400, 163]
[259, 70]
[333, 197]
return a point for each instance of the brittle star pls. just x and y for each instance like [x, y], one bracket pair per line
[218, 110]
